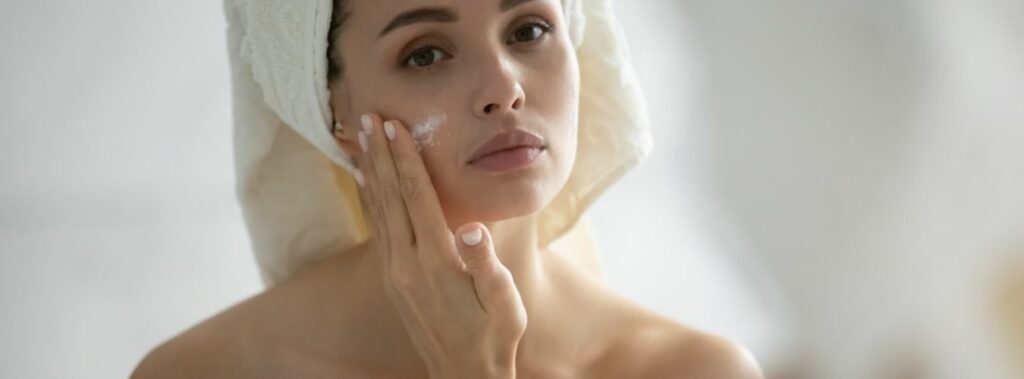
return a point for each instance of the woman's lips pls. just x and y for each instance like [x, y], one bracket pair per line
[508, 150]
[507, 140]
[508, 159]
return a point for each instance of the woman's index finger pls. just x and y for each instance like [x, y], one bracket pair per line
[421, 199]
[385, 184]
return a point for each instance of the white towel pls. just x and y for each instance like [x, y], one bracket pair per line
[299, 200]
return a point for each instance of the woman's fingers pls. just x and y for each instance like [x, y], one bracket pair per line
[436, 306]
[495, 289]
[367, 181]
[387, 193]
[421, 201]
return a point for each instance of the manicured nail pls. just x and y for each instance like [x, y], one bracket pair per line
[389, 130]
[367, 124]
[472, 238]
[359, 177]
[362, 142]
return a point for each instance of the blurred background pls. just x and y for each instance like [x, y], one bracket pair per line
[837, 185]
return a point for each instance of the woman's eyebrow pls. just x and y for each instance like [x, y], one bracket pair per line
[436, 15]
[509, 4]
[420, 15]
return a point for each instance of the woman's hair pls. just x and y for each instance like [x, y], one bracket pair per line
[335, 66]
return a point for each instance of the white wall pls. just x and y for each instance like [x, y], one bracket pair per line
[869, 155]
[118, 225]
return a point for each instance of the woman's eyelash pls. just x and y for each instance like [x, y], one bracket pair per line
[408, 61]
[544, 29]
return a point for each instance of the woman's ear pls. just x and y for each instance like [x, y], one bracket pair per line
[345, 135]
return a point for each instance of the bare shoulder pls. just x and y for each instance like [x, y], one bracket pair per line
[678, 352]
[264, 335]
[655, 347]
[214, 348]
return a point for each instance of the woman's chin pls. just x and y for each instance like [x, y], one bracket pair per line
[503, 204]
[487, 195]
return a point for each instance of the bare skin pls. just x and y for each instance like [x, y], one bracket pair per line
[490, 69]
[342, 318]
[334, 321]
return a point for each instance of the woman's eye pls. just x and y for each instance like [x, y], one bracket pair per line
[528, 32]
[425, 57]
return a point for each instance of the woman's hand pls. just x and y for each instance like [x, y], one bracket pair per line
[457, 301]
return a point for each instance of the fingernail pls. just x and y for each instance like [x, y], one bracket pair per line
[362, 142]
[473, 237]
[389, 130]
[359, 177]
[367, 124]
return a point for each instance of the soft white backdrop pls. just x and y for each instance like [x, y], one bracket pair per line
[118, 225]
[825, 176]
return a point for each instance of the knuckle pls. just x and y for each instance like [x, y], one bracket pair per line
[403, 159]
[503, 280]
[389, 194]
[519, 321]
[412, 187]
[503, 274]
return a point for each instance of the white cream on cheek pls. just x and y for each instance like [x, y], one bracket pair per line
[423, 131]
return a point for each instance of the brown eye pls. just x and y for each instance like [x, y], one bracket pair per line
[425, 57]
[528, 32]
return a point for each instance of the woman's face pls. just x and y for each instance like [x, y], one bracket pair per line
[485, 67]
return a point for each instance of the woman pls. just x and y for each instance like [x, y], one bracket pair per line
[454, 124]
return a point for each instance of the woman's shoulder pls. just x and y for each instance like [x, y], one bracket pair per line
[214, 348]
[654, 346]
[255, 336]
[221, 346]
[675, 351]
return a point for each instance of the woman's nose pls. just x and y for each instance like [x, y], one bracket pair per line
[500, 89]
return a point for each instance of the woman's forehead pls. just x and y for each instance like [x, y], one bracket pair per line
[392, 5]
[387, 14]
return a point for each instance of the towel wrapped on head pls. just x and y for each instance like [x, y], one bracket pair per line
[294, 183]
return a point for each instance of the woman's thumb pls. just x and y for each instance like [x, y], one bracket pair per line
[491, 279]
[475, 248]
